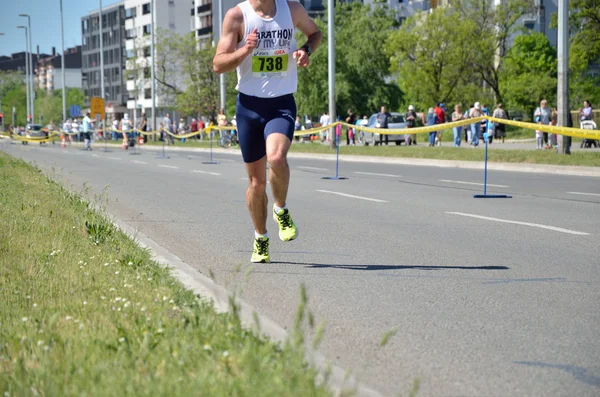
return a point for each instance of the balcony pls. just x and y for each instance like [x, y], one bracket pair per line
[204, 31]
[204, 8]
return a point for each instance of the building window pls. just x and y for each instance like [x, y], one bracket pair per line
[146, 9]
[148, 93]
[147, 51]
[130, 54]
[147, 73]
[529, 25]
[130, 13]
[147, 30]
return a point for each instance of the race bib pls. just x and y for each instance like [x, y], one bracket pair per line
[271, 63]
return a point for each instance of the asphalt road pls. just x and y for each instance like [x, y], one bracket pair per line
[491, 297]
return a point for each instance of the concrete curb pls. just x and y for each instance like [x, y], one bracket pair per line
[191, 278]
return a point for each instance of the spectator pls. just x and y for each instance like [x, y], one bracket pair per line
[87, 131]
[587, 112]
[468, 128]
[411, 122]
[499, 128]
[182, 128]
[324, 121]
[440, 113]
[544, 114]
[221, 118]
[383, 119]
[350, 138]
[475, 127]
[457, 115]
[432, 120]
[75, 130]
[143, 127]
[168, 129]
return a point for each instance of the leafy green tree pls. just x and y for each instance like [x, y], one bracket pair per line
[584, 50]
[494, 26]
[362, 67]
[184, 72]
[529, 73]
[431, 55]
[17, 98]
[10, 80]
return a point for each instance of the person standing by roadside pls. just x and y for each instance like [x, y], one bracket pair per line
[168, 128]
[265, 107]
[383, 119]
[350, 138]
[87, 131]
[143, 127]
[587, 112]
[324, 121]
[440, 113]
[432, 120]
[457, 115]
[499, 128]
[411, 122]
[475, 127]
[545, 115]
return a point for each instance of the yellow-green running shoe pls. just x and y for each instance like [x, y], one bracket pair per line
[260, 254]
[287, 230]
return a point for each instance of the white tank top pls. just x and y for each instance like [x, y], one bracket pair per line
[269, 71]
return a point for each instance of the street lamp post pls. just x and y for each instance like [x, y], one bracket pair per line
[27, 91]
[222, 82]
[101, 53]
[331, 68]
[31, 85]
[62, 38]
[152, 75]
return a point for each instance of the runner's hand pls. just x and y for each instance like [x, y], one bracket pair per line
[251, 41]
[302, 57]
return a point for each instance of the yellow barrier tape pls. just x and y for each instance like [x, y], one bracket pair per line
[316, 130]
[574, 132]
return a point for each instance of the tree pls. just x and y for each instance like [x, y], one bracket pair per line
[529, 73]
[362, 68]
[494, 26]
[17, 98]
[584, 50]
[186, 81]
[10, 80]
[430, 54]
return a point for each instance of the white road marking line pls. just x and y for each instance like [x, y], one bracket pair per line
[377, 174]
[353, 196]
[113, 158]
[168, 166]
[585, 194]
[312, 168]
[469, 183]
[205, 172]
[138, 162]
[553, 228]
[95, 155]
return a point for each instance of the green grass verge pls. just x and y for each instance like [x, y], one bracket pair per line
[464, 154]
[85, 312]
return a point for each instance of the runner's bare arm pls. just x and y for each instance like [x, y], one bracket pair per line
[309, 28]
[227, 57]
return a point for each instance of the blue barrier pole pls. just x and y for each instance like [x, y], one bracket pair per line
[211, 150]
[485, 195]
[337, 162]
[164, 156]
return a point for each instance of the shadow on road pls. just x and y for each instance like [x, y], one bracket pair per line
[312, 265]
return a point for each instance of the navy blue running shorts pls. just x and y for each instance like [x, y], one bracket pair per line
[257, 118]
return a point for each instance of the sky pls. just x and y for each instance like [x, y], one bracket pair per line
[45, 23]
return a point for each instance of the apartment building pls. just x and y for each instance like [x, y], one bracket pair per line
[113, 36]
[171, 15]
[48, 71]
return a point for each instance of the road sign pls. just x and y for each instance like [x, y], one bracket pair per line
[97, 107]
[75, 111]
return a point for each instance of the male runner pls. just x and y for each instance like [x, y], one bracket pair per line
[258, 41]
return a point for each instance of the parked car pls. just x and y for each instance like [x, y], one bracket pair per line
[396, 122]
[35, 131]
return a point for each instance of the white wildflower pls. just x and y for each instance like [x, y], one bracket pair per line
[25, 319]
[207, 347]
[85, 303]
[127, 304]
[35, 305]
[40, 342]
[111, 290]
[116, 272]
[118, 298]
[121, 339]
[106, 264]
[130, 263]
[143, 309]
[225, 353]
[68, 318]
